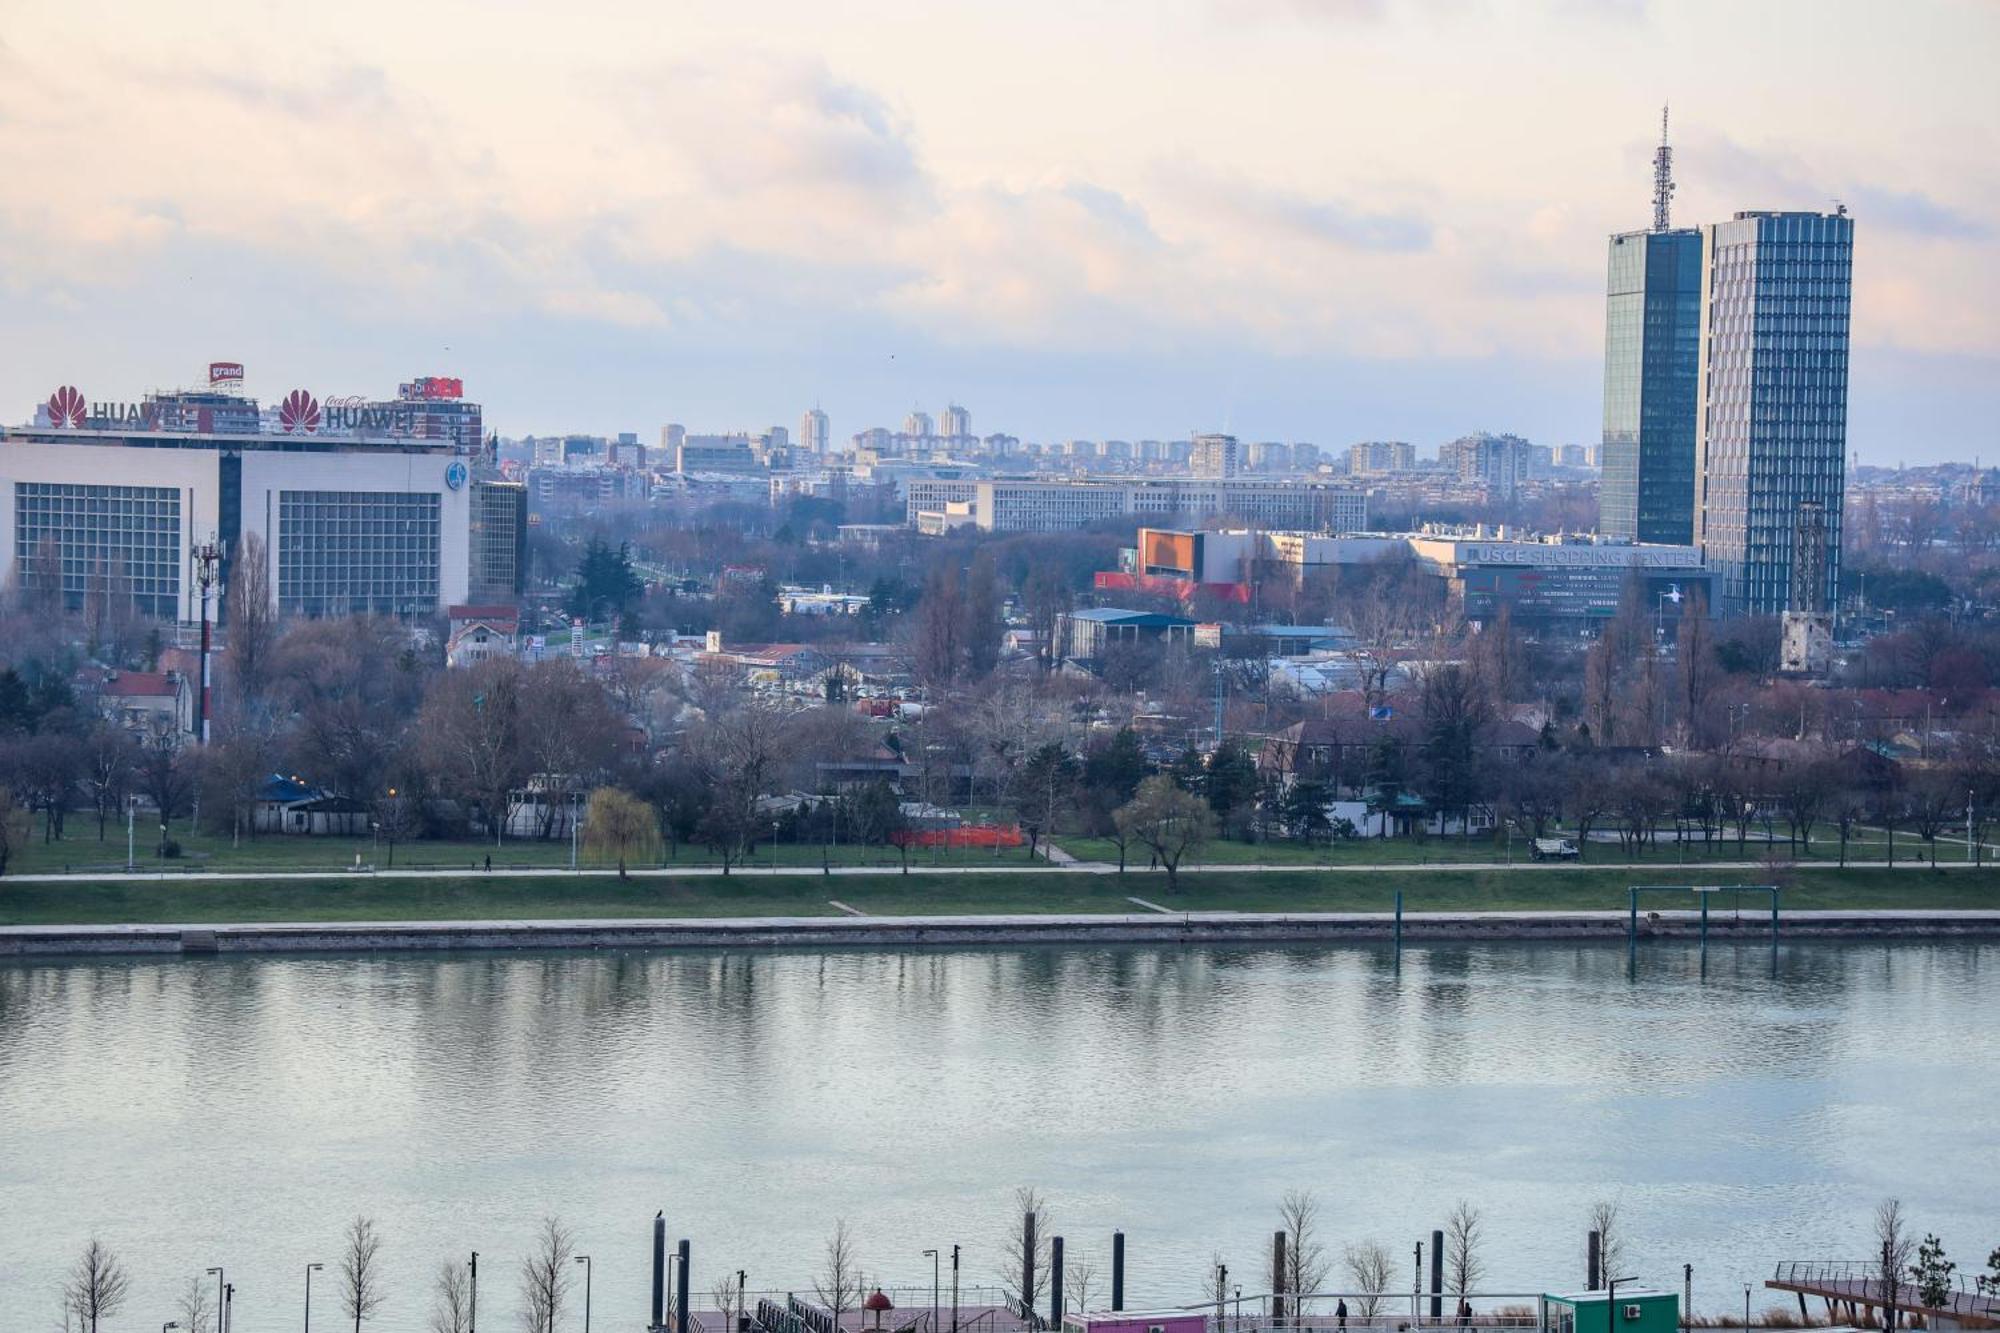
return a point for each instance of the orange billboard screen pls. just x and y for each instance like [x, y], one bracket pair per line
[1167, 552]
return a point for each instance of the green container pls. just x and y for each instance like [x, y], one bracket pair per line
[1632, 1311]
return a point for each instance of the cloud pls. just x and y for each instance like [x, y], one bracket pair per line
[1914, 212]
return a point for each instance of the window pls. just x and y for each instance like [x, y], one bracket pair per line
[348, 552]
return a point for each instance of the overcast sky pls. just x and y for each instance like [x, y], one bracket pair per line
[1322, 220]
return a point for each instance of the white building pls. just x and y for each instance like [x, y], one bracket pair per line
[347, 525]
[813, 429]
[1059, 506]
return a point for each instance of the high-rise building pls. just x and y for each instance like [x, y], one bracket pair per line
[813, 431]
[918, 425]
[1652, 356]
[955, 423]
[1217, 456]
[1373, 457]
[1775, 302]
[1500, 463]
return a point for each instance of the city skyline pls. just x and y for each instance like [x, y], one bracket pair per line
[1115, 255]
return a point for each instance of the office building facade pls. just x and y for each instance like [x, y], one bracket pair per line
[1652, 360]
[1777, 293]
[346, 527]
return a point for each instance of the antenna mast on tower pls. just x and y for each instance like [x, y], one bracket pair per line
[1663, 179]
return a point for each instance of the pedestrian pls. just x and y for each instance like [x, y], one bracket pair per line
[489, 863]
[1340, 1311]
[1464, 1312]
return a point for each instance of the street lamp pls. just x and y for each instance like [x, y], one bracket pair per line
[310, 1270]
[934, 1288]
[218, 1300]
[472, 1306]
[584, 1259]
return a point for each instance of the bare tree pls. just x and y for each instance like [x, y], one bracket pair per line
[253, 620]
[725, 1293]
[1370, 1270]
[1080, 1280]
[451, 1299]
[1462, 1237]
[545, 1276]
[97, 1284]
[1027, 1201]
[361, 1292]
[1893, 1245]
[1306, 1264]
[194, 1307]
[838, 1285]
[1610, 1235]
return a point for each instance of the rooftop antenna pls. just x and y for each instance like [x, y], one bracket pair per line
[1663, 179]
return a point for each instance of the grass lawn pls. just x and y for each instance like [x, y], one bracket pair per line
[1824, 849]
[383, 897]
[81, 851]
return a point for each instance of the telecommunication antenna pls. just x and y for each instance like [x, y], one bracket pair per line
[1663, 178]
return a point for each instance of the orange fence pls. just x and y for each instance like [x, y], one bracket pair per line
[970, 835]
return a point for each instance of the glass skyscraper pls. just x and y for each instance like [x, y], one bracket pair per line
[1652, 361]
[1775, 301]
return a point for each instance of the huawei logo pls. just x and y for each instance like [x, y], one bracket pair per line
[66, 407]
[299, 412]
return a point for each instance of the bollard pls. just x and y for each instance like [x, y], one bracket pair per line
[659, 1269]
[681, 1294]
[1437, 1274]
[1055, 1281]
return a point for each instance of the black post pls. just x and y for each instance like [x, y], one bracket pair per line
[954, 1289]
[1437, 1274]
[1278, 1267]
[659, 1271]
[1117, 1270]
[1594, 1263]
[1055, 1281]
[472, 1310]
[1028, 1263]
[681, 1296]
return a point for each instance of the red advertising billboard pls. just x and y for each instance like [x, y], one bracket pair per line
[225, 372]
[435, 386]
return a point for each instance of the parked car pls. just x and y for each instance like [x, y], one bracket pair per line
[1554, 849]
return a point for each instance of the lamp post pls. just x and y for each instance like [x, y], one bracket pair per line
[218, 1300]
[131, 846]
[584, 1259]
[573, 821]
[310, 1270]
[954, 1289]
[741, 1278]
[472, 1306]
[934, 1288]
[1746, 1305]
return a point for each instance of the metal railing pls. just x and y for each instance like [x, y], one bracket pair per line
[1964, 1295]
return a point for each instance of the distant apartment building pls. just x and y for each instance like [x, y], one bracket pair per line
[813, 427]
[955, 423]
[918, 425]
[716, 453]
[1217, 456]
[1498, 463]
[1269, 456]
[1375, 458]
[1004, 505]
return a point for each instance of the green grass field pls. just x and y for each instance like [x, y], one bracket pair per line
[476, 897]
[81, 852]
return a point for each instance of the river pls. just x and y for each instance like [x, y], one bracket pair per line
[237, 1112]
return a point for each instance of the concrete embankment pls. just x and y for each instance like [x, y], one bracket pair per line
[904, 932]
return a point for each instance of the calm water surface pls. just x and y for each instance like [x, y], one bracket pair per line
[238, 1112]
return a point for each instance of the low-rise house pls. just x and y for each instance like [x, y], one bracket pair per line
[292, 806]
[482, 632]
[152, 705]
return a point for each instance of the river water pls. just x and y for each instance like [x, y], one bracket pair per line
[237, 1112]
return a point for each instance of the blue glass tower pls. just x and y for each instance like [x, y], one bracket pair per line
[1652, 360]
[1776, 295]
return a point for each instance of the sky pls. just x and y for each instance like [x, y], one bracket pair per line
[1324, 220]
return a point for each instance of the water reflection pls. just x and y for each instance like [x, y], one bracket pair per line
[238, 1111]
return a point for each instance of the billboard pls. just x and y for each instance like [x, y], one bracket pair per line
[434, 387]
[1165, 552]
[225, 372]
